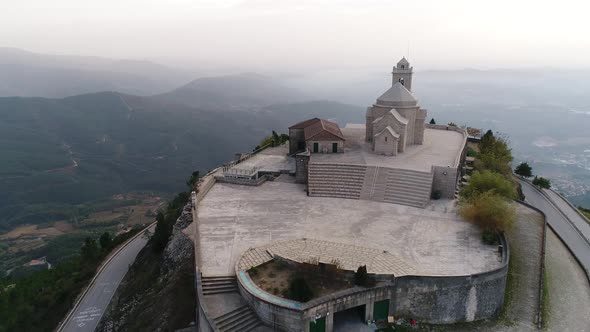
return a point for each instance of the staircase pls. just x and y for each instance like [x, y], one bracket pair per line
[335, 180]
[240, 319]
[408, 187]
[381, 184]
[217, 285]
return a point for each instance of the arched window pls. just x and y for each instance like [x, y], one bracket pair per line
[385, 138]
[401, 80]
[403, 66]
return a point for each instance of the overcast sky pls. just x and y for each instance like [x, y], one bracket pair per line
[301, 34]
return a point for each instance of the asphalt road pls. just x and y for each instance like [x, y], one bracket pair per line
[90, 310]
[558, 221]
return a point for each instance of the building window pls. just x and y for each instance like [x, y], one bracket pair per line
[403, 66]
[385, 138]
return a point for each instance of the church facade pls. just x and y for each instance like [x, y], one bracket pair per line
[395, 120]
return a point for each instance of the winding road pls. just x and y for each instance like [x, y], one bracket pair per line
[89, 310]
[564, 220]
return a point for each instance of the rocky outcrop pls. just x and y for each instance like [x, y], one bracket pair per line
[157, 294]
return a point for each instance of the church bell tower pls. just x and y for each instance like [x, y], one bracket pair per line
[402, 73]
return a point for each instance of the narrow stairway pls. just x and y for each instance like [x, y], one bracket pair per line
[216, 285]
[242, 319]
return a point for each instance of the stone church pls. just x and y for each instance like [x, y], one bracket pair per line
[396, 121]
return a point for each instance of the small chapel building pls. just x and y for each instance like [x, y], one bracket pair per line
[317, 136]
[396, 121]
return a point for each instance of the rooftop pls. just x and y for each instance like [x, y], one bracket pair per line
[440, 148]
[397, 95]
[319, 129]
[433, 241]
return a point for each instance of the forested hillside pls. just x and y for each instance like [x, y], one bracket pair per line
[59, 154]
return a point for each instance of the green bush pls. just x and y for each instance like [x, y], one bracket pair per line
[299, 290]
[494, 155]
[437, 194]
[489, 237]
[542, 182]
[524, 169]
[489, 211]
[362, 278]
[253, 271]
[481, 182]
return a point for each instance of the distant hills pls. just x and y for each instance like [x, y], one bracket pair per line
[61, 152]
[29, 74]
[233, 92]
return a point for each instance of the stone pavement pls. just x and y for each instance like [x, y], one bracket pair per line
[435, 240]
[441, 147]
[349, 257]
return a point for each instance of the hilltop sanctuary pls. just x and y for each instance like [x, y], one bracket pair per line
[333, 200]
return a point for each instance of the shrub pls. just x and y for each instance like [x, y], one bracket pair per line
[361, 277]
[524, 169]
[437, 194]
[489, 237]
[542, 182]
[106, 241]
[299, 290]
[471, 152]
[494, 154]
[481, 182]
[253, 271]
[489, 211]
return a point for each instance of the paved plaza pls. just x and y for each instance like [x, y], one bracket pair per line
[440, 148]
[433, 241]
[270, 160]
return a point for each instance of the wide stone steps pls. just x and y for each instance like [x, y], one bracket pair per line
[240, 319]
[334, 180]
[217, 285]
[408, 187]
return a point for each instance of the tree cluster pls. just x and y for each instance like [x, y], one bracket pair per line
[273, 140]
[485, 201]
[38, 301]
[165, 219]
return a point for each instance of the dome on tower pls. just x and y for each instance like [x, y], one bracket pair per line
[397, 96]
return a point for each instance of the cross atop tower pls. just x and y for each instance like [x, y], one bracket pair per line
[402, 73]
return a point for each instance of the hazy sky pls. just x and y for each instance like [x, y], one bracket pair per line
[307, 33]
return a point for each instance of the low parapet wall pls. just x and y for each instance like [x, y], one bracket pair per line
[430, 299]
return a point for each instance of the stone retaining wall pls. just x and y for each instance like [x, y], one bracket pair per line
[430, 299]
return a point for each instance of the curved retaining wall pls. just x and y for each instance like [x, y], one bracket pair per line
[431, 299]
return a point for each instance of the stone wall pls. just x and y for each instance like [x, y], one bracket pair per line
[383, 147]
[204, 321]
[445, 181]
[279, 317]
[325, 146]
[430, 299]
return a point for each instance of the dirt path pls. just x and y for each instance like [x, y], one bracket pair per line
[569, 291]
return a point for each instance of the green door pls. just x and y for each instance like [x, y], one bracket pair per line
[381, 310]
[316, 147]
[335, 147]
[318, 326]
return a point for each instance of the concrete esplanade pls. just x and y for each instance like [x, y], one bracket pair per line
[354, 205]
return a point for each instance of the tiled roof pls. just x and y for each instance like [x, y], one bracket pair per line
[303, 124]
[323, 130]
[319, 129]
